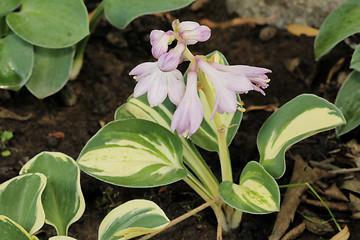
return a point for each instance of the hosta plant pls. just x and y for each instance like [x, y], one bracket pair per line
[339, 25]
[42, 42]
[152, 141]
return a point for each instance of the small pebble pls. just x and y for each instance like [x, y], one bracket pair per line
[267, 33]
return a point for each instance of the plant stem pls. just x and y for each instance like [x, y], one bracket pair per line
[94, 18]
[182, 218]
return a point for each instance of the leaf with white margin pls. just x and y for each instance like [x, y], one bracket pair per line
[206, 136]
[121, 12]
[348, 101]
[10, 230]
[62, 198]
[257, 192]
[62, 238]
[20, 199]
[131, 219]
[133, 153]
[50, 24]
[139, 108]
[298, 119]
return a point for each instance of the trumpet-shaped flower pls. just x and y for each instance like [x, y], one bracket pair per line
[192, 32]
[169, 61]
[189, 114]
[160, 41]
[229, 80]
[158, 84]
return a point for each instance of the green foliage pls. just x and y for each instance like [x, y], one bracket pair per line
[340, 24]
[62, 199]
[298, 119]
[348, 101]
[133, 153]
[256, 193]
[121, 12]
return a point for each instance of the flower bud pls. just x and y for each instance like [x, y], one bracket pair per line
[170, 61]
[159, 41]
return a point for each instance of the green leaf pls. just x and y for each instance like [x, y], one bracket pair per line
[20, 199]
[16, 62]
[10, 230]
[133, 153]
[298, 119]
[206, 136]
[256, 193]
[131, 219]
[355, 60]
[51, 71]
[348, 101]
[340, 24]
[139, 108]
[62, 199]
[50, 23]
[121, 12]
[62, 238]
[7, 6]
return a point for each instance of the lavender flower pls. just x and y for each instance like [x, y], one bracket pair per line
[229, 80]
[189, 114]
[170, 61]
[158, 84]
[192, 32]
[159, 41]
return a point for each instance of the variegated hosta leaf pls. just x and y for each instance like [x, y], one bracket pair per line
[133, 153]
[7, 6]
[206, 136]
[62, 199]
[138, 108]
[348, 101]
[20, 200]
[132, 219]
[11, 230]
[256, 193]
[62, 238]
[355, 60]
[298, 119]
[340, 24]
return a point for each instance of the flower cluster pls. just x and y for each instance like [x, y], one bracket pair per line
[162, 78]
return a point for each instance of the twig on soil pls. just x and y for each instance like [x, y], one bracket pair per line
[182, 218]
[7, 114]
[345, 170]
[295, 232]
[336, 206]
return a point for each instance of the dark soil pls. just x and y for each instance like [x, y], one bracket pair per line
[104, 84]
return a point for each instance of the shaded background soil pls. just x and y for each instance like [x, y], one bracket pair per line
[104, 84]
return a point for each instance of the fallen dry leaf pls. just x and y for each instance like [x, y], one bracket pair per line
[344, 234]
[299, 30]
[354, 206]
[351, 185]
[318, 226]
[334, 193]
[236, 22]
[302, 173]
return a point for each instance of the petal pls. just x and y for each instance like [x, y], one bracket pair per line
[176, 86]
[170, 61]
[161, 45]
[144, 68]
[158, 91]
[144, 85]
[188, 26]
[155, 36]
